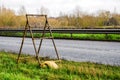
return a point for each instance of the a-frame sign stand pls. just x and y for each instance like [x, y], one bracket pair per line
[28, 28]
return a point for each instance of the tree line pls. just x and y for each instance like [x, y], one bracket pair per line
[77, 19]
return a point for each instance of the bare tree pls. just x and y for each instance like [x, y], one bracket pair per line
[22, 10]
[43, 10]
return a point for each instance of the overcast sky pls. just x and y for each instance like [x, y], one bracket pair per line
[65, 6]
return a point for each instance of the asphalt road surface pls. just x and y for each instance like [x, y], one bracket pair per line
[74, 50]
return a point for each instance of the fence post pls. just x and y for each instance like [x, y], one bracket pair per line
[106, 36]
[71, 35]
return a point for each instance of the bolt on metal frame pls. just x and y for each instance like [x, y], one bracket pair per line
[28, 27]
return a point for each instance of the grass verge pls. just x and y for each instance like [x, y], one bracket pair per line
[69, 70]
[98, 37]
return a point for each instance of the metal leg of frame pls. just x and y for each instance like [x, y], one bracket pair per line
[41, 41]
[24, 34]
[53, 43]
[37, 56]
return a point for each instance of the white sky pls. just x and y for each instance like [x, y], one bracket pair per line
[65, 6]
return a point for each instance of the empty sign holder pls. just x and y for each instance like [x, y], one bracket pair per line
[28, 28]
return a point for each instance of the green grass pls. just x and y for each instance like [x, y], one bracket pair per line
[99, 37]
[68, 70]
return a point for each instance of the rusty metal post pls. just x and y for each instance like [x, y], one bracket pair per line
[37, 56]
[54, 43]
[47, 26]
[52, 38]
[24, 34]
[41, 39]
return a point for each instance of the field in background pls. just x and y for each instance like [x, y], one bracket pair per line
[68, 70]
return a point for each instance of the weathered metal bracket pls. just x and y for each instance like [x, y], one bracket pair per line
[28, 27]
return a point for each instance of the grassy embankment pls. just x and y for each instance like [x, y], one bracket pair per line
[68, 70]
[104, 37]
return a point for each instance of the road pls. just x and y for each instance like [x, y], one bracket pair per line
[74, 50]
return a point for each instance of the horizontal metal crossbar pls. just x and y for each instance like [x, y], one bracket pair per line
[34, 15]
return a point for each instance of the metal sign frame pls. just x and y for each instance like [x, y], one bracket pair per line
[28, 27]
